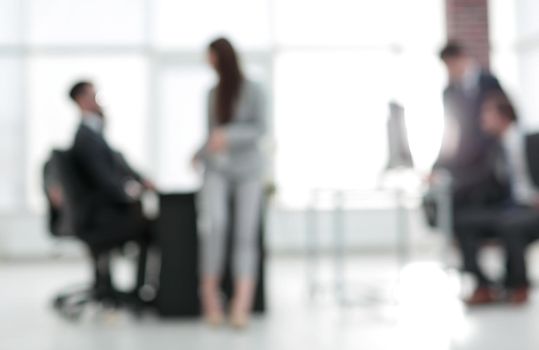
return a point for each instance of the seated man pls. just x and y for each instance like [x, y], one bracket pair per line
[514, 220]
[111, 210]
[517, 223]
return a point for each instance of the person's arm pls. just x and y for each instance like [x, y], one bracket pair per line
[248, 132]
[492, 84]
[132, 173]
[128, 169]
[92, 158]
[441, 161]
[201, 153]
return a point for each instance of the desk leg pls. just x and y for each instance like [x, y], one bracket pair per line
[339, 248]
[311, 244]
[402, 229]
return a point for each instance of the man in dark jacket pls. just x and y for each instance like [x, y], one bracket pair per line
[515, 221]
[111, 210]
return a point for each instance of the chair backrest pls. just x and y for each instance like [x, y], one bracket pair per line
[61, 166]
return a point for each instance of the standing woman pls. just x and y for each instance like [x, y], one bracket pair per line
[233, 167]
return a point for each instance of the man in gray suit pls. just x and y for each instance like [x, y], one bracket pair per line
[516, 221]
[465, 147]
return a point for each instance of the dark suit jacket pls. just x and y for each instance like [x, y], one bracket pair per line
[471, 164]
[486, 218]
[103, 174]
[496, 187]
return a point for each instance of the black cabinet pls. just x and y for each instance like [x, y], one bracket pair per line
[177, 241]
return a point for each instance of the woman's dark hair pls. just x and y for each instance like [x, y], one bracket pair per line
[230, 79]
[503, 105]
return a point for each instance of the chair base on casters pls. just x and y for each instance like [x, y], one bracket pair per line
[101, 292]
[71, 305]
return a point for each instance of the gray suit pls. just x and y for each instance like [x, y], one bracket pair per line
[243, 157]
[235, 172]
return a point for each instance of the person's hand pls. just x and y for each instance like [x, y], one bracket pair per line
[217, 141]
[430, 178]
[134, 189]
[195, 161]
[56, 197]
[149, 185]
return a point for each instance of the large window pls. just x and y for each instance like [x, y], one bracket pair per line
[70, 23]
[10, 19]
[190, 25]
[338, 66]
[181, 96]
[11, 110]
[329, 69]
[330, 116]
[10, 128]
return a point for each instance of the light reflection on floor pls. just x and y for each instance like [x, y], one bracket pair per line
[417, 308]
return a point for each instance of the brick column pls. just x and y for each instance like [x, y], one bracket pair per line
[467, 23]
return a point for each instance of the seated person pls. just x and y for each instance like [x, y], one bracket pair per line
[517, 221]
[111, 209]
[514, 220]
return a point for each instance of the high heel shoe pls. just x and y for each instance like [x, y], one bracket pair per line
[214, 318]
[239, 319]
[211, 303]
[240, 311]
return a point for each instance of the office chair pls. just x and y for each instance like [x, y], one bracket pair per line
[65, 222]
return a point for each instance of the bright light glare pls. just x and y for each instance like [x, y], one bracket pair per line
[430, 314]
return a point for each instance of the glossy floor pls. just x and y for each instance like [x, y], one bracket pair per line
[416, 307]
